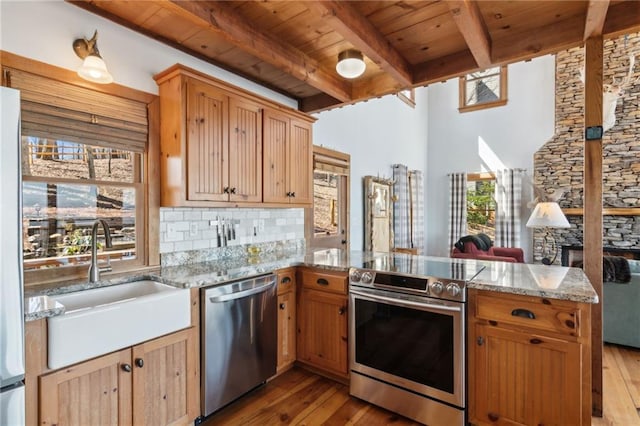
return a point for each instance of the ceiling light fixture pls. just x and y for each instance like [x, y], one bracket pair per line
[93, 68]
[350, 64]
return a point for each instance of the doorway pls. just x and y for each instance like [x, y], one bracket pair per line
[327, 222]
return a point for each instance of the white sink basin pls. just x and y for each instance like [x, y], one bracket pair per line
[102, 320]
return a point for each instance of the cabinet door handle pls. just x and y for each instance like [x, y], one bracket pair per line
[126, 367]
[535, 341]
[293, 194]
[288, 194]
[322, 281]
[226, 190]
[493, 417]
[282, 306]
[342, 310]
[233, 190]
[139, 362]
[285, 280]
[523, 313]
[480, 340]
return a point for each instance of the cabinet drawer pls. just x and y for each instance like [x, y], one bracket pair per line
[324, 281]
[535, 313]
[286, 280]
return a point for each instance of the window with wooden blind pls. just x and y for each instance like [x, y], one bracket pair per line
[83, 157]
[328, 226]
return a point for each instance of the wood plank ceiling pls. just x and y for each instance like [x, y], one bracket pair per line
[293, 46]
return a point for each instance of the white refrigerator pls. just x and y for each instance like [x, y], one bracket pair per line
[12, 408]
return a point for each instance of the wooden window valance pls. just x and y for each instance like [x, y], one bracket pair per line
[330, 164]
[54, 109]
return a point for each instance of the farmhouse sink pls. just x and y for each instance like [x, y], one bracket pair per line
[102, 320]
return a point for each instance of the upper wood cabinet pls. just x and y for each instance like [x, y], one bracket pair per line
[212, 141]
[288, 159]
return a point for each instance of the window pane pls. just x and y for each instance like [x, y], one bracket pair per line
[481, 207]
[325, 203]
[57, 220]
[70, 160]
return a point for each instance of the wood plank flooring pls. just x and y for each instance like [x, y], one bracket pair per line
[299, 397]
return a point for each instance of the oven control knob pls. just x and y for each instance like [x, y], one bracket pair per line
[355, 275]
[367, 277]
[436, 287]
[453, 289]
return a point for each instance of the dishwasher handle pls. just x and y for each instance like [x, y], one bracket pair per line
[243, 293]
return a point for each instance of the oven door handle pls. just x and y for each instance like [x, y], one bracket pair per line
[403, 302]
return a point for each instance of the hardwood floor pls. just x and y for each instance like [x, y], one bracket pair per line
[299, 397]
[621, 390]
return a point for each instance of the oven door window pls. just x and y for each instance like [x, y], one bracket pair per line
[409, 343]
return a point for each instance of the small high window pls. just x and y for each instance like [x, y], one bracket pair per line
[483, 89]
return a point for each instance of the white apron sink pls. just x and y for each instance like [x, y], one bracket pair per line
[103, 320]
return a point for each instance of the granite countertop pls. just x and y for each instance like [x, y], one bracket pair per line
[534, 280]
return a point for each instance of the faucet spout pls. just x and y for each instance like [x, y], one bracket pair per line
[94, 270]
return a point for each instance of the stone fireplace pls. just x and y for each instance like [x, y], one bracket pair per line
[560, 162]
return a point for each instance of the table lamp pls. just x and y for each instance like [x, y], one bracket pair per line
[548, 215]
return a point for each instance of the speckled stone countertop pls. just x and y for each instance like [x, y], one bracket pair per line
[533, 280]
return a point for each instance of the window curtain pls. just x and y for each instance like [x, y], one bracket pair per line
[508, 197]
[416, 198]
[457, 207]
[401, 207]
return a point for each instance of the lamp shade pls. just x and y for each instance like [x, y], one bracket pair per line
[350, 64]
[547, 215]
[94, 69]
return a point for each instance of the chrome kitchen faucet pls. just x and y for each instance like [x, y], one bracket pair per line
[94, 270]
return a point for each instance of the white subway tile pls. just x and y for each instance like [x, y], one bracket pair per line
[166, 248]
[173, 215]
[183, 245]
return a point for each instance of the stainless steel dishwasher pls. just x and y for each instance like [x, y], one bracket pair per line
[239, 331]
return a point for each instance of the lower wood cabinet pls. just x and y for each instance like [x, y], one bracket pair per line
[286, 318]
[154, 383]
[322, 331]
[529, 360]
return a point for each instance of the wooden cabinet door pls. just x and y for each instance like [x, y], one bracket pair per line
[300, 161]
[245, 151]
[322, 330]
[522, 378]
[207, 143]
[166, 391]
[275, 152]
[286, 330]
[95, 392]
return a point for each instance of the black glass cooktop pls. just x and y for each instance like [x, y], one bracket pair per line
[443, 268]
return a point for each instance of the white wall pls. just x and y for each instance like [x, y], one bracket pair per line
[45, 30]
[376, 134]
[503, 137]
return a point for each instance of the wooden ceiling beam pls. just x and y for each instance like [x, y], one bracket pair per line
[442, 69]
[227, 23]
[466, 14]
[364, 36]
[622, 18]
[596, 15]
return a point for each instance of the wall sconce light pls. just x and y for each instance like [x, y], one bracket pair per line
[93, 68]
[350, 64]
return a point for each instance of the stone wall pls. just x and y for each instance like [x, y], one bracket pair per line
[560, 162]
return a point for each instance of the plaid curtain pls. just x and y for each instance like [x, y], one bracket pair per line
[508, 201]
[416, 198]
[401, 207]
[457, 207]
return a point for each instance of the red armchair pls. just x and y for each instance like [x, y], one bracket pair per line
[502, 254]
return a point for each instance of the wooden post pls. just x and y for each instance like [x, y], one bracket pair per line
[592, 239]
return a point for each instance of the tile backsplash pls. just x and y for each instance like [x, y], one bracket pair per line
[198, 231]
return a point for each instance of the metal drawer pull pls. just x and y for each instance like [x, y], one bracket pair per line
[523, 313]
[282, 306]
[139, 362]
[285, 280]
[322, 281]
[126, 367]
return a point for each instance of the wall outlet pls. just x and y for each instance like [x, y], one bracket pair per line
[193, 229]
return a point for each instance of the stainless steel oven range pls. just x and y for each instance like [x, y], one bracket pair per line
[407, 336]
